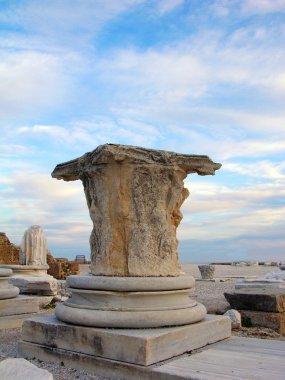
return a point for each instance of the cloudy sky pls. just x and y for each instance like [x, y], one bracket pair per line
[192, 76]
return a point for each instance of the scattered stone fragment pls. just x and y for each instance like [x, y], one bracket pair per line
[276, 275]
[207, 271]
[235, 318]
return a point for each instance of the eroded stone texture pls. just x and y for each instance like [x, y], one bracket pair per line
[134, 197]
[207, 271]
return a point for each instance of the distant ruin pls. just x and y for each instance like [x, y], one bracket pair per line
[61, 268]
[9, 252]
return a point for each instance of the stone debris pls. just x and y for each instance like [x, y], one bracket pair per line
[41, 285]
[235, 318]
[280, 275]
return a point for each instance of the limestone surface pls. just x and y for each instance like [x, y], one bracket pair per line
[34, 247]
[134, 197]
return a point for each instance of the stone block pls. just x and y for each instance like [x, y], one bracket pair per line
[19, 369]
[274, 321]
[41, 285]
[137, 346]
[269, 300]
[19, 305]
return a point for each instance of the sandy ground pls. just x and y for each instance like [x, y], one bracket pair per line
[208, 292]
[220, 270]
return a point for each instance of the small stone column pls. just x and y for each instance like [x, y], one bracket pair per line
[34, 247]
[134, 197]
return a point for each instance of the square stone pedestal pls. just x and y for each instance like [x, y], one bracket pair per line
[116, 352]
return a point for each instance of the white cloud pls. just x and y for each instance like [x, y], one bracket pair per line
[59, 22]
[263, 169]
[31, 81]
[165, 6]
[12, 150]
[262, 6]
[168, 75]
[90, 133]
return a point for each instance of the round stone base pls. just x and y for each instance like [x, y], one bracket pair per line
[10, 292]
[7, 290]
[27, 270]
[130, 319]
[130, 302]
[130, 284]
[5, 272]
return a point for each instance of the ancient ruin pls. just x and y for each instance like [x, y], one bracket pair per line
[134, 197]
[207, 271]
[30, 275]
[61, 268]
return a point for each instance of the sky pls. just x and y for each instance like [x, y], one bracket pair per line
[190, 76]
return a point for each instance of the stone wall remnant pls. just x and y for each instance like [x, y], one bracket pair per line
[9, 252]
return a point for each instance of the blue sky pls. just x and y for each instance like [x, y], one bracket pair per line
[192, 76]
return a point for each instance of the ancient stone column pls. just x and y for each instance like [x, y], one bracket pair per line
[134, 197]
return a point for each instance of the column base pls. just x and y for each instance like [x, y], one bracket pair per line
[7, 290]
[27, 270]
[130, 319]
[130, 302]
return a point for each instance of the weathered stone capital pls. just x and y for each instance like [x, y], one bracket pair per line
[134, 197]
[123, 154]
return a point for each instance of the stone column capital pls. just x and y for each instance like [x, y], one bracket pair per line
[134, 197]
